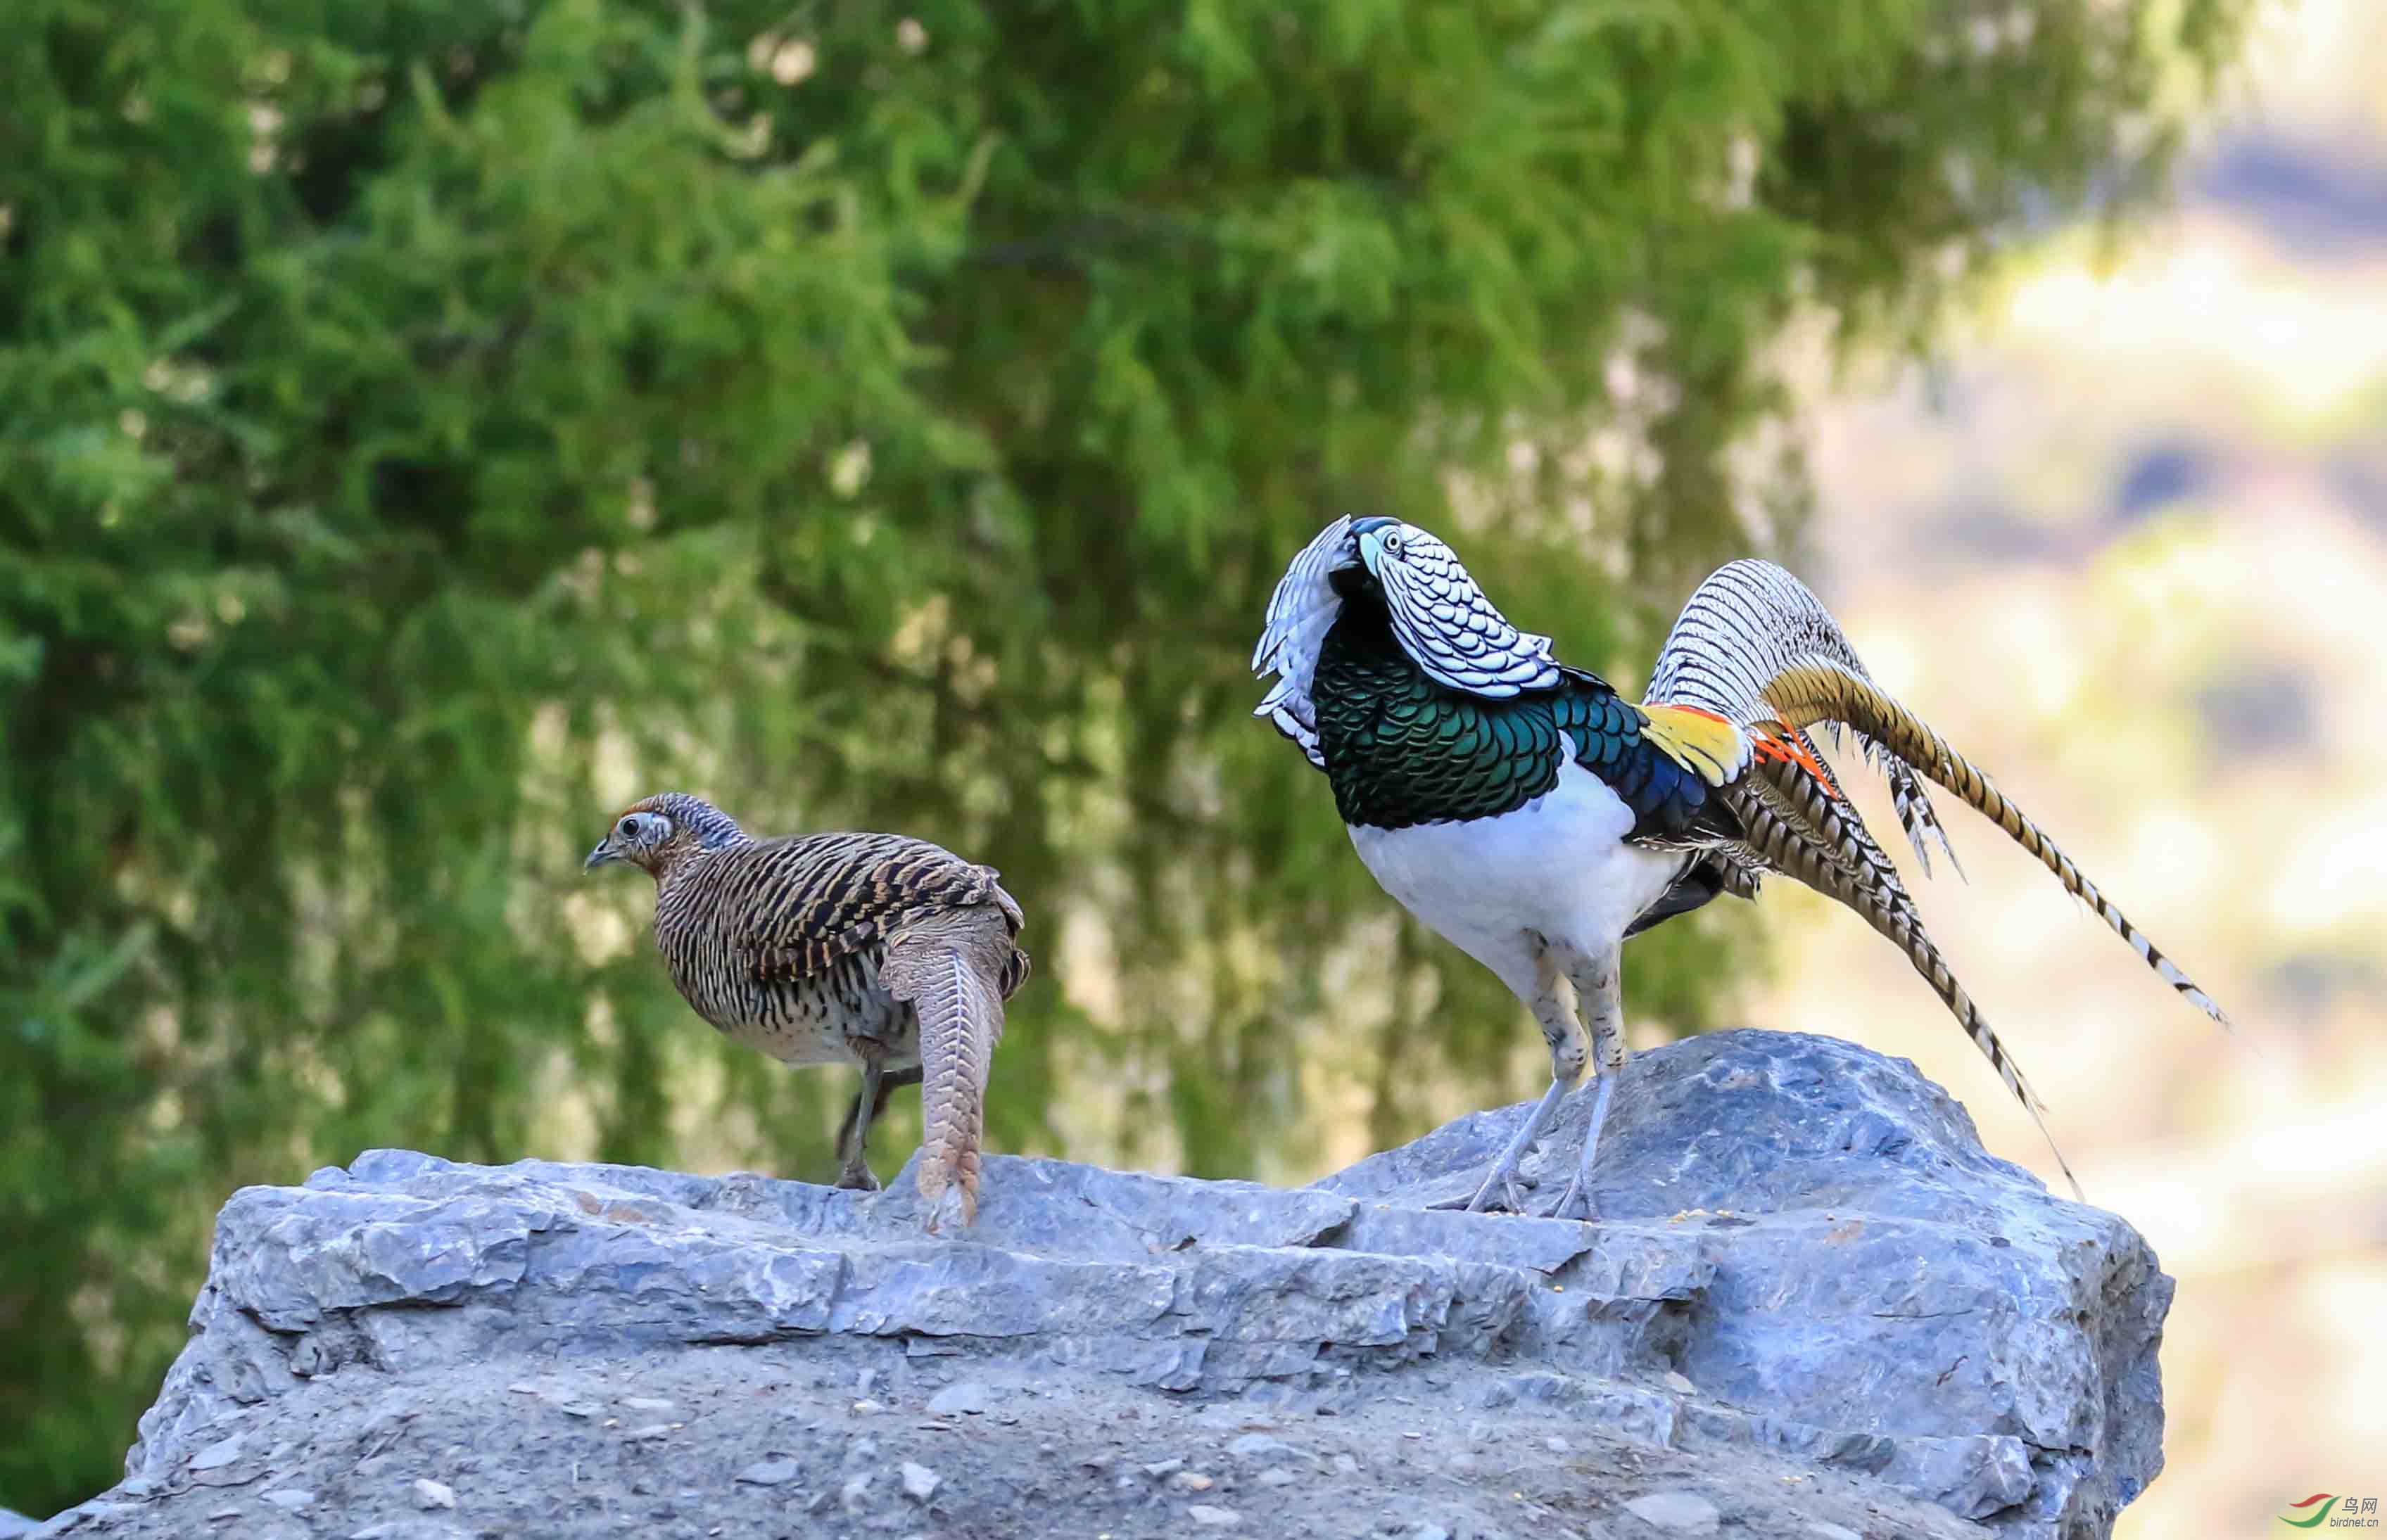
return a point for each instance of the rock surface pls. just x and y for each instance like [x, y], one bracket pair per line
[1811, 1301]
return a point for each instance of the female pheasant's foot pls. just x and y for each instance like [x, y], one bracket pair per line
[857, 1177]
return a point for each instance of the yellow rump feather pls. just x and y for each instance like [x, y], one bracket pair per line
[1699, 741]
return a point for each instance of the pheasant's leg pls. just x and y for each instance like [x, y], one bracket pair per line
[1600, 995]
[853, 1134]
[1567, 1057]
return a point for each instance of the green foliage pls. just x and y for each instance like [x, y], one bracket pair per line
[425, 423]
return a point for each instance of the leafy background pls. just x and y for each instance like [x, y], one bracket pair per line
[426, 424]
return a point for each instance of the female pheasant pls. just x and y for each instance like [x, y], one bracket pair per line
[872, 948]
[1535, 819]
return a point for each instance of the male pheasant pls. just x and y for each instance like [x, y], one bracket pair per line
[872, 948]
[1535, 819]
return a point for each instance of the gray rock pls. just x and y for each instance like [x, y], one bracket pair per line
[770, 1472]
[1215, 1518]
[920, 1484]
[294, 1500]
[432, 1493]
[15, 1526]
[1804, 1259]
[1260, 1445]
[1676, 1512]
[969, 1397]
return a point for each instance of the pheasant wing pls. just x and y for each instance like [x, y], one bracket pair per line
[810, 902]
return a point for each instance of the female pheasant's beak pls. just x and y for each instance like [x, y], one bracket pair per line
[603, 855]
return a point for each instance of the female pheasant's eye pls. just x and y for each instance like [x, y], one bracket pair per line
[629, 828]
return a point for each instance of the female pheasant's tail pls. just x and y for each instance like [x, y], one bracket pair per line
[1755, 646]
[1799, 823]
[953, 965]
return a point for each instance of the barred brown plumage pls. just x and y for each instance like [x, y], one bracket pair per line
[873, 949]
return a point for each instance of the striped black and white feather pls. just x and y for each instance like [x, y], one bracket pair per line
[1300, 612]
[1739, 631]
[1444, 623]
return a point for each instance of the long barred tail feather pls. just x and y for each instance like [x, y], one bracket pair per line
[1755, 645]
[1804, 827]
[1818, 688]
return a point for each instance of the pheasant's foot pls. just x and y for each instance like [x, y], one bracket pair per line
[1577, 1196]
[1512, 1197]
[1503, 1178]
[858, 1178]
[1510, 1189]
[1578, 1192]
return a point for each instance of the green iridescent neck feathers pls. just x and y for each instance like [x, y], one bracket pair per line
[1400, 748]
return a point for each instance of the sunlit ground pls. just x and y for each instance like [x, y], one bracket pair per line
[2130, 551]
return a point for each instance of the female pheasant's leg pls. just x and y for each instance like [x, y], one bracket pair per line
[1600, 995]
[853, 1134]
[1566, 1056]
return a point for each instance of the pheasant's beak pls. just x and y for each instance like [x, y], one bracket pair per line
[603, 855]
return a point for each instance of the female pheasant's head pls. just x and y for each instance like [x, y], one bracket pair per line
[656, 834]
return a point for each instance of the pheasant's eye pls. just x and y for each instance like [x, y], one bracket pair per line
[1392, 544]
[629, 828]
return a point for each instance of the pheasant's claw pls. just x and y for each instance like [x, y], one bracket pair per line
[857, 1177]
[1512, 1197]
[1576, 1195]
[1510, 1200]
